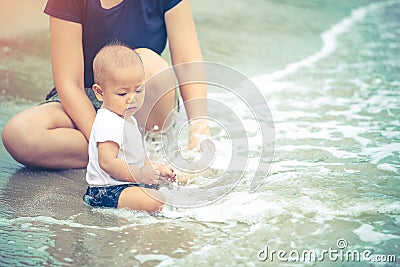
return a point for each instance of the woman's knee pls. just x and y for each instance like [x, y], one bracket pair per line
[152, 62]
[24, 135]
[19, 138]
[160, 76]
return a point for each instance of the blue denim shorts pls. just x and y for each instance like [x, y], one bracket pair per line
[108, 196]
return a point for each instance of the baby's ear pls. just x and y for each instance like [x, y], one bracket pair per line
[98, 91]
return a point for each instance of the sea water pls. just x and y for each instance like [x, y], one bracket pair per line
[329, 72]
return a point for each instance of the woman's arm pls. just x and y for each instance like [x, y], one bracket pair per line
[184, 47]
[68, 71]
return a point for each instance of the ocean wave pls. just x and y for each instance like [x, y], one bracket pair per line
[329, 44]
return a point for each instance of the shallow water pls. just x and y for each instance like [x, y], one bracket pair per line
[334, 183]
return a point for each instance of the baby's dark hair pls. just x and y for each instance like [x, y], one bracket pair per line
[114, 55]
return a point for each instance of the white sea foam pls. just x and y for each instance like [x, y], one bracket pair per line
[251, 209]
[366, 233]
[201, 252]
[388, 167]
[239, 207]
[152, 257]
[27, 221]
[366, 206]
[379, 153]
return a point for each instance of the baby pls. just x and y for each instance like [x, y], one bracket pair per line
[119, 174]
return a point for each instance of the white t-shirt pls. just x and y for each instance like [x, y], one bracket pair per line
[108, 126]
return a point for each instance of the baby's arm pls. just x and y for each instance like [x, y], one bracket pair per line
[119, 169]
[166, 170]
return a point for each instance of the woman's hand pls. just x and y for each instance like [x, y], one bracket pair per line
[198, 131]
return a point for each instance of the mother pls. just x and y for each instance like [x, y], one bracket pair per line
[55, 134]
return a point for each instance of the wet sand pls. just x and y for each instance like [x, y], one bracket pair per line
[25, 68]
[22, 17]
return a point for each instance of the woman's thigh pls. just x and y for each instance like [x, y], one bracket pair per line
[45, 116]
[45, 136]
[160, 86]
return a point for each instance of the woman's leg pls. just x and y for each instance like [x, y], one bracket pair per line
[44, 136]
[139, 198]
[160, 90]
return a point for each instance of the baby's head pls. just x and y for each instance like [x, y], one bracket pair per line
[119, 76]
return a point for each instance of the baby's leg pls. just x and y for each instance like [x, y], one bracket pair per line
[139, 198]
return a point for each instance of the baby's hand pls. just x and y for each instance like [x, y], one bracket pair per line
[149, 175]
[184, 178]
[167, 172]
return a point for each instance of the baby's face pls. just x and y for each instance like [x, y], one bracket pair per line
[124, 90]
